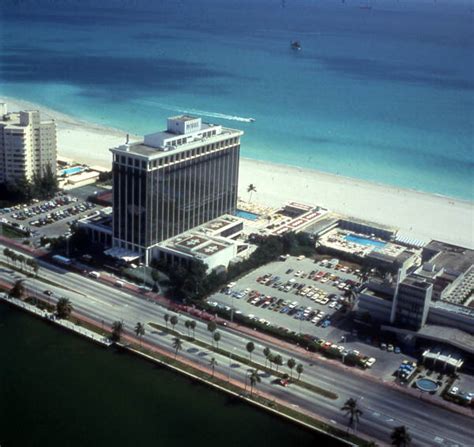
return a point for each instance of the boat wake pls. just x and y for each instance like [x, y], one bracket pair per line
[200, 112]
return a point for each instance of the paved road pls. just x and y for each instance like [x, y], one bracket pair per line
[384, 407]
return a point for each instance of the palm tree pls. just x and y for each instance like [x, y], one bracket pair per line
[213, 364]
[351, 296]
[364, 273]
[117, 329]
[250, 348]
[271, 359]
[400, 437]
[35, 266]
[211, 326]
[266, 353]
[192, 325]
[7, 253]
[353, 411]
[217, 337]
[31, 263]
[155, 275]
[21, 260]
[254, 379]
[17, 290]
[14, 257]
[177, 345]
[291, 363]
[63, 308]
[174, 321]
[278, 360]
[251, 189]
[167, 318]
[299, 370]
[187, 325]
[140, 331]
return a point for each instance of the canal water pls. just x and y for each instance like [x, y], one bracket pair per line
[57, 389]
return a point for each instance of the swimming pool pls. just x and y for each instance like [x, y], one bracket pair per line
[364, 241]
[427, 385]
[71, 171]
[246, 215]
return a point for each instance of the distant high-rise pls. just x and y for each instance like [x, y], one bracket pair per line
[27, 145]
[173, 181]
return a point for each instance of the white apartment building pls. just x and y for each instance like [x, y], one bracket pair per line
[27, 145]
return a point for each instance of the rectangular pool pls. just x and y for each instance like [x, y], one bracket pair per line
[364, 241]
[246, 215]
[71, 171]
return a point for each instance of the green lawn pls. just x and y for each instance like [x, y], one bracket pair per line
[11, 233]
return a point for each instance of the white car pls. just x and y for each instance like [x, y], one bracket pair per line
[370, 362]
[454, 390]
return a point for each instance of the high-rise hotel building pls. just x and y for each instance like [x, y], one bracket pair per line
[27, 145]
[171, 182]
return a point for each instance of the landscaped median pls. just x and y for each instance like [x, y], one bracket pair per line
[310, 387]
[36, 276]
[219, 382]
[259, 400]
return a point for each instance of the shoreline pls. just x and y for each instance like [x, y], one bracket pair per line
[418, 214]
[316, 424]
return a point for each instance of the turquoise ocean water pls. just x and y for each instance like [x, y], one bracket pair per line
[383, 94]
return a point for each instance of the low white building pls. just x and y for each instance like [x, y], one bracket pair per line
[213, 243]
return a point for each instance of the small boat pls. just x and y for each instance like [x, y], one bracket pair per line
[295, 45]
[252, 120]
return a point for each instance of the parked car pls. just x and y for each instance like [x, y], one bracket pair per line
[454, 390]
[370, 362]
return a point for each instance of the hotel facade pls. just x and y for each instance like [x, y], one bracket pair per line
[27, 145]
[171, 182]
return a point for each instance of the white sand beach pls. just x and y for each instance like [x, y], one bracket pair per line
[420, 215]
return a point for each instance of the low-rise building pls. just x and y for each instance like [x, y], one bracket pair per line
[424, 297]
[214, 243]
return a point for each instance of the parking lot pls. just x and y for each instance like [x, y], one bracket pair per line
[49, 218]
[463, 388]
[307, 297]
[296, 294]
